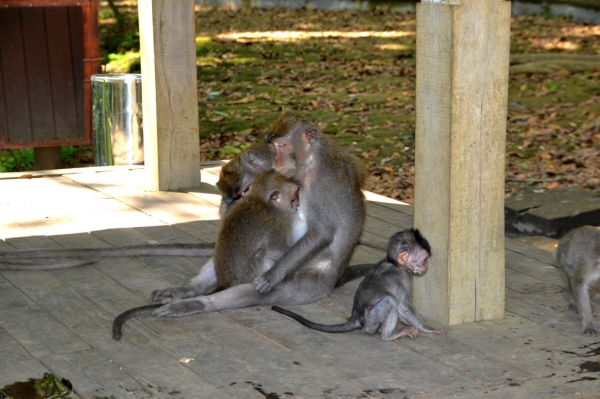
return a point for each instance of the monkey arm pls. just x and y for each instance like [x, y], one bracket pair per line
[303, 250]
[408, 315]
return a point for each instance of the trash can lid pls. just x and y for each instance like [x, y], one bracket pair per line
[116, 77]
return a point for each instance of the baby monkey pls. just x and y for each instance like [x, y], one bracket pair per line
[578, 255]
[384, 297]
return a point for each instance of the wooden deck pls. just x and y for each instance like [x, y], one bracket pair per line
[60, 321]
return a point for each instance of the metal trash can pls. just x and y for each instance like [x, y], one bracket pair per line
[117, 119]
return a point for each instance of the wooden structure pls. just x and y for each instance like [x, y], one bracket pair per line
[48, 52]
[170, 94]
[461, 97]
[60, 321]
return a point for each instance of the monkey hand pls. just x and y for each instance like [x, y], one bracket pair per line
[180, 308]
[262, 285]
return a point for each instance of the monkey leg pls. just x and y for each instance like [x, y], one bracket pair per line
[299, 289]
[581, 292]
[205, 282]
[384, 317]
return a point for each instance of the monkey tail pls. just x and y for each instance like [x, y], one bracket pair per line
[39, 264]
[350, 325]
[128, 314]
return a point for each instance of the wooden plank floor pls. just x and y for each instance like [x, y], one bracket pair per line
[60, 321]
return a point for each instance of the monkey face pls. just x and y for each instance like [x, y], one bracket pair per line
[415, 262]
[285, 161]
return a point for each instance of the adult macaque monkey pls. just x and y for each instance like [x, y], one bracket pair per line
[253, 235]
[259, 230]
[234, 183]
[334, 208]
[383, 297]
[578, 255]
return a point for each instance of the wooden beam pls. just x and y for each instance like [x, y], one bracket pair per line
[169, 93]
[462, 89]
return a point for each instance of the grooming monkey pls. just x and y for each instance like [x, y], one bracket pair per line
[253, 235]
[334, 208]
[235, 182]
[383, 297]
[578, 255]
[259, 230]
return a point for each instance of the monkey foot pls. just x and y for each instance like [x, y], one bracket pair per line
[571, 307]
[180, 308]
[172, 292]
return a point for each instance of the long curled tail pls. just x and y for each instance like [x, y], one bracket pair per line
[128, 314]
[66, 258]
[350, 325]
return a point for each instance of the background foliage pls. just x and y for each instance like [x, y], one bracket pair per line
[360, 88]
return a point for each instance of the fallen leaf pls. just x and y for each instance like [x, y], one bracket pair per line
[374, 152]
[217, 118]
[245, 100]
[552, 185]
[185, 360]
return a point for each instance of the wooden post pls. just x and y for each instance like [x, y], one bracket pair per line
[169, 93]
[462, 89]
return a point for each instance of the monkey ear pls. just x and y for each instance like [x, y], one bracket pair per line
[311, 134]
[403, 257]
[274, 196]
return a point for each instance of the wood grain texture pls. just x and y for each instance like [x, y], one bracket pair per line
[169, 89]
[39, 89]
[61, 72]
[466, 221]
[12, 60]
[60, 321]
[432, 154]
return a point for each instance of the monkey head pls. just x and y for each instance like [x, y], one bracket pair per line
[278, 190]
[292, 137]
[238, 175]
[257, 159]
[409, 250]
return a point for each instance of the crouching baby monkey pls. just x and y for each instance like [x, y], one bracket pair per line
[253, 235]
[578, 255]
[383, 297]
